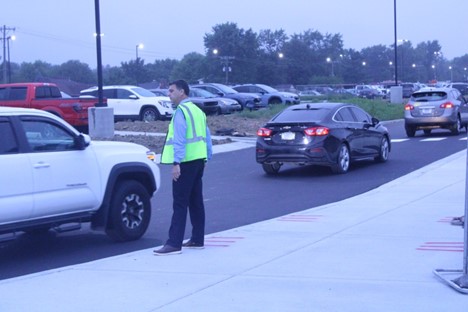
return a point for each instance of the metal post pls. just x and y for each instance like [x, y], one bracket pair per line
[460, 283]
[98, 50]
[395, 43]
[4, 54]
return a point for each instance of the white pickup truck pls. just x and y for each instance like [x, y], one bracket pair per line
[52, 176]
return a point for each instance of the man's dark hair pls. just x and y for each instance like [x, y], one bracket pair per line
[181, 84]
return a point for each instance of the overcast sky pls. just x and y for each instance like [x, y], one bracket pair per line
[56, 31]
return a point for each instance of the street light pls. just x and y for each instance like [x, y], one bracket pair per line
[138, 46]
[226, 61]
[329, 60]
[451, 74]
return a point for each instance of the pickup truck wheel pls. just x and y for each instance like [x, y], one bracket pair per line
[150, 114]
[129, 212]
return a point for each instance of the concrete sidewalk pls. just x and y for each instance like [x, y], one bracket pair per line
[373, 252]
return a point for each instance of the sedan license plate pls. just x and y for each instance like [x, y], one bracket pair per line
[288, 136]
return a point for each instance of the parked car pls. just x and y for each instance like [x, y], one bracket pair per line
[408, 89]
[368, 92]
[327, 134]
[246, 100]
[225, 105]
[206, 104]
[269, 95]
[53, 177]
[460, 86]
[433, 108]
[132, 102]
[160, 92]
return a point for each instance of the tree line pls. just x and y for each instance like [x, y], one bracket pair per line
[234, 55]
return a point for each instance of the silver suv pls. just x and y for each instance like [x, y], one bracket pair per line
[434, 108]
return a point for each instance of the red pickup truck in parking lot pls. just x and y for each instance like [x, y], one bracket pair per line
[47, 96]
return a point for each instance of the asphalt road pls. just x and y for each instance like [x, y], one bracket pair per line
[237, 192]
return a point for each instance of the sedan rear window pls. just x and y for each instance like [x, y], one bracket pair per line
[429, 96]
[302, 115]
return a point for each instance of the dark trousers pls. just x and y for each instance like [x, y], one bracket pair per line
[187, 192]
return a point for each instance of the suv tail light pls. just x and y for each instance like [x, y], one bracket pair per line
[264, 132]
[317, 131]
[447, 105]
[409, 107]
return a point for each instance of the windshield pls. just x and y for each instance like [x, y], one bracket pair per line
[143, 92]
[201, 93]
[225, 89]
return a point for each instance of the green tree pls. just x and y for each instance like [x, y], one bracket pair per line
[74, 70]
[192, 67]
[237, 50]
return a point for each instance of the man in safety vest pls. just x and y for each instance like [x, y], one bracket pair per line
[188, 146]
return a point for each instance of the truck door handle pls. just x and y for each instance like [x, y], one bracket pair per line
[41, 164]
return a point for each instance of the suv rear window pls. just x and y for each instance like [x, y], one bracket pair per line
[429, 96]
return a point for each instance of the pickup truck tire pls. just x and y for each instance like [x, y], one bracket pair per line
[129, 211]
[150, 114]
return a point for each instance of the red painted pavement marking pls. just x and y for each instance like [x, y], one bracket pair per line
[442, 246]
[217, 241]
[299, 218]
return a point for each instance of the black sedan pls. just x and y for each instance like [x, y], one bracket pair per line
[327, 134]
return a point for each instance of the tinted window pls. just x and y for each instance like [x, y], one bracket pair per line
[47, 92]
[8, 142]
[13, 94]
[361, 116]
[302, 115]
[429, 96]
[44, 136]
[344, 114]
[123, 94]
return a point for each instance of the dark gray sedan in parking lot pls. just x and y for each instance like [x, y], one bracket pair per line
[326, 134]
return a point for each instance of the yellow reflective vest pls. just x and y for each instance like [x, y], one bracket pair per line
[195, 147]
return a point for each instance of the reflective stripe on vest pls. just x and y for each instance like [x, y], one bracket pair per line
[195, 147]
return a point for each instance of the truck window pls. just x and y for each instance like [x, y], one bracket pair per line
[13, 94]
[8, 142]
[47, 92]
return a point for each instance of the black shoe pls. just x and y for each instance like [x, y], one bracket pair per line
[193, 245]
[167, 250]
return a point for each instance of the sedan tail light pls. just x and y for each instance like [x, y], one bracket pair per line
[264, 132]
[317, 131]
[409, 107]
[447, 105]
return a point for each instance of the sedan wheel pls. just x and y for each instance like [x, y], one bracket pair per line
[343, 160]
[384, 150]
[271, 168]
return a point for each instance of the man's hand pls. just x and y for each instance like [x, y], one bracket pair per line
[175, 172]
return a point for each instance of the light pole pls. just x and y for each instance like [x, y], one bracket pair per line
[138, 47]
[451, 74]
[329, 60]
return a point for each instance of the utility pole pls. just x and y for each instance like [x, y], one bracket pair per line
[226, 60]
[4, 38]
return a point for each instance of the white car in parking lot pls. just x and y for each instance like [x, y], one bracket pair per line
[132, 102]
